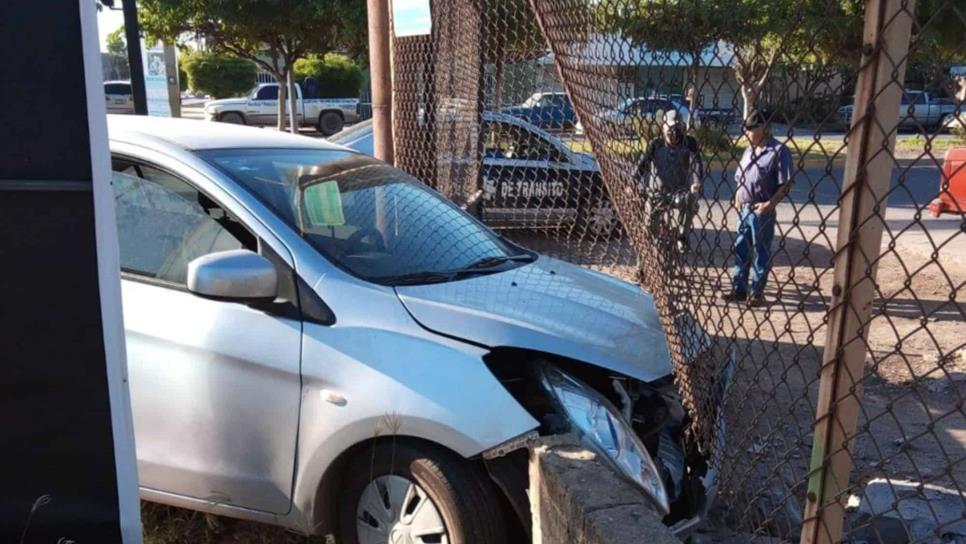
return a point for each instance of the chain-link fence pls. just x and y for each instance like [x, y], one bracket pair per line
[767, 167]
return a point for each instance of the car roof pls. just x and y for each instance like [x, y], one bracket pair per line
[192, 134]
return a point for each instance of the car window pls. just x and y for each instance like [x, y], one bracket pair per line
[509, 141]
[913, 98]
[641, 107]
[117, 88]
[267, 93]
[163, 223]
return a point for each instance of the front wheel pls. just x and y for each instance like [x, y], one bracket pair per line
[406, 493]
[232, 118]
[330, 122]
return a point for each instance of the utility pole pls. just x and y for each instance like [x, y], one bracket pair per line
[381, 79]
[132, 33]
[868, 172]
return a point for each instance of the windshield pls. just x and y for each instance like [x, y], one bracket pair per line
[532, 101]
[370, 219]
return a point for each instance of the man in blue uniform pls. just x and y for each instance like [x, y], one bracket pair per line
[763, 179]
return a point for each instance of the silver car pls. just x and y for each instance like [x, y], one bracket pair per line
[319, 341]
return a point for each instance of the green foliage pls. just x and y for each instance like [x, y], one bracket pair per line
[338, 75]
[713, 139]
[116, 44]
[959, 131]
[218, 76]
[513, 34]
[286, 29]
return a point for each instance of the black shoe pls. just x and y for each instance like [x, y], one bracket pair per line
[734, 296]
[756, 300]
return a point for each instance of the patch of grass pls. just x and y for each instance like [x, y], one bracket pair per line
[168, 525]
[721, 156]
[917, 144]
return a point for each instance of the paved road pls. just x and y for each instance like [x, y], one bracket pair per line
[816, 192]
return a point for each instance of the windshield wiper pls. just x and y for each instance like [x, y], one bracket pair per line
[490, 262]
[481, 266]
[417, 278]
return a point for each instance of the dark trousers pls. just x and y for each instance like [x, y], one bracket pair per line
[752, 249]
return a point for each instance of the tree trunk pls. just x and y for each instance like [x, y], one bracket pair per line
[293, 100]
[499, 78]
[282, 94]
[749, 95]
[691, 88]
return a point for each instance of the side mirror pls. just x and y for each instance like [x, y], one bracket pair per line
[234, 276]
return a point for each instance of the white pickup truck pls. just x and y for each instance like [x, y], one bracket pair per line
[918, 109]
[260, 107]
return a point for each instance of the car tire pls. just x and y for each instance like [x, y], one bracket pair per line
[330, 122]
[232, 118]
[459, 494]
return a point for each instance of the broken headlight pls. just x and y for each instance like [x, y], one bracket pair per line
[602, 428]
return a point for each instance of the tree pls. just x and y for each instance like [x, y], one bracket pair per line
[117, 54]
[116, 44]
[217, 75]
[511, 35]
[937, 42]
[756, 34]
[338, 74]
[270, 33]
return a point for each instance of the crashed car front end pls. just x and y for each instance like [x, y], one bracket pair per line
[587, 353]
[640, 429]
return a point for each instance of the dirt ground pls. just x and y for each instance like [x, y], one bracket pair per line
[911, 424]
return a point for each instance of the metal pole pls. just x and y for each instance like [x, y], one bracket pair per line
[868, 174]
[132, 33]
[381, 79]
[174, 81]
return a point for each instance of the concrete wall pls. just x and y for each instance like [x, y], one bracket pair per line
[574, 499]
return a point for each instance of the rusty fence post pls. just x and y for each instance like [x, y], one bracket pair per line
[380, 77]
[866, 181]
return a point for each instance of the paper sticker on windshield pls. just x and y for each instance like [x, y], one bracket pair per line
[323, 204]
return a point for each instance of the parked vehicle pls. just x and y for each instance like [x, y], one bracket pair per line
[119, 97]
[955, 122]
[260, 107]
[317, 340]
[918, 109]
[625, 119]
[547, 110]
[953, 198]
[530, 178]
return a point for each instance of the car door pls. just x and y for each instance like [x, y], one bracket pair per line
[263, 106]
[525, 179]
[214, 385]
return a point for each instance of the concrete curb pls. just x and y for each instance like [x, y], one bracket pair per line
[575, 499]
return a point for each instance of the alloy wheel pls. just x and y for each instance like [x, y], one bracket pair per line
[396, 510]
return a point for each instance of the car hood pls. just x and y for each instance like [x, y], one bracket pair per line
[553, 307]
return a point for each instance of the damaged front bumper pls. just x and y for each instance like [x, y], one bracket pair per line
[642, 430]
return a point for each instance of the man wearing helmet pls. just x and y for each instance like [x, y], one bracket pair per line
[671, 173]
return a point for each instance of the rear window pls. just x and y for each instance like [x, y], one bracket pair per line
[117, 88]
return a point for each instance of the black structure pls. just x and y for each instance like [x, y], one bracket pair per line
[61, 374]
